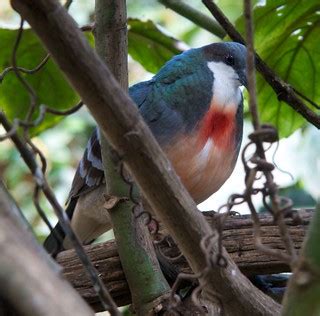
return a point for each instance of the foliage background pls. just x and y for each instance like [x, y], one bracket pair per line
[297, 155]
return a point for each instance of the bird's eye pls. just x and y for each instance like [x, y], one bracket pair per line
[229, 60]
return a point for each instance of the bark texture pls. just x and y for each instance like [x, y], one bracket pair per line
[27, 283]
[237, 238]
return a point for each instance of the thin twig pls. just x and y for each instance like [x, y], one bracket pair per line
[251, 75]
[195, 16]
[306, 98]
[44, 109]
[27, 86]
[84, 28]
[87, 27]
[270, 185]
[25, 70]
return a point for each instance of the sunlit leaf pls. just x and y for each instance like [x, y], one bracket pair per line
[287, 38]
[150, 46]
[50, 86]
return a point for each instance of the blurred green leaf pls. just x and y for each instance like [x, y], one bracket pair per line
[286, 37]
[149, 45]
[297, 194]
[190, 34]
[49, 83]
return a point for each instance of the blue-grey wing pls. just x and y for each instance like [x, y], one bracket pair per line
[90, 173]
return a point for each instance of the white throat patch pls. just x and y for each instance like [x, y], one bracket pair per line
[225, 85]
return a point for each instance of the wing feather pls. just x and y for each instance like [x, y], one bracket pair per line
[171, 103]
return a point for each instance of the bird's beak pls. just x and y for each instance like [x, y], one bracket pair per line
[243, 78]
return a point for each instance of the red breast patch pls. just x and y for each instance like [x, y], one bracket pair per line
[218, 124]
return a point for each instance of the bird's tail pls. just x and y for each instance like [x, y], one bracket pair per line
[54, 242]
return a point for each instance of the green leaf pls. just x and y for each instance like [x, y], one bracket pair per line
[287, 38]
[49, 84]
[150, 46]
[147, 44]
[190, 33]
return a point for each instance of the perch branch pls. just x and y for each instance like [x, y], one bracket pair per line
[237, 238]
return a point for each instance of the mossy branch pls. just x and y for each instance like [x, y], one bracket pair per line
[197, 17]
[137, 255]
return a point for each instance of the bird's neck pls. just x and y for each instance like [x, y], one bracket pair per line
[226, 85]
[219, 123]
[219, 126]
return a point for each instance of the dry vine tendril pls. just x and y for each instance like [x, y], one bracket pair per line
[256, 167]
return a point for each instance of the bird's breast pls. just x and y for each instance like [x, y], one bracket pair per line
[219, 125]
[206, 158]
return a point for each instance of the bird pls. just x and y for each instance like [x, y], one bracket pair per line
[194, 108]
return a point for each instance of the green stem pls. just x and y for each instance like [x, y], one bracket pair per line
[136, 251]
[302, 295]
[138, 260]
[195, 16]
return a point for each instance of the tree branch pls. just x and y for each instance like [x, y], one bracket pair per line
[237, 238]
[27, 282]
[124, 128]
[195, 16]
[20, 218]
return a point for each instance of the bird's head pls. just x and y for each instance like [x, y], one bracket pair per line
[228, 57]
[192, 83]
